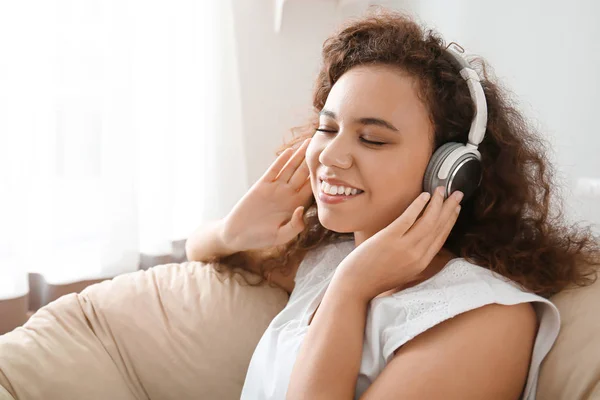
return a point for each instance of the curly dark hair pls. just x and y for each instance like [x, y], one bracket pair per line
[513, 224]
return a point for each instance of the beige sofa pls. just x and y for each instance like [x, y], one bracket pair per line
[185, 331]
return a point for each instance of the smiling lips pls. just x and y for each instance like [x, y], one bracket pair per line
[334, 191]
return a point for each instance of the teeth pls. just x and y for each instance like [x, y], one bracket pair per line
[335, 190]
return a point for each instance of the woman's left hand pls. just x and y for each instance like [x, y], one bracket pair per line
[402, 250]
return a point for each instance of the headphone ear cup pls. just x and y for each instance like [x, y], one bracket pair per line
[431, 180]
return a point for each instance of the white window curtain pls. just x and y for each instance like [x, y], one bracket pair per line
[120, 132]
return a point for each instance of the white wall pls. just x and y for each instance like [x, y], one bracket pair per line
[277, 70]
[546, 53]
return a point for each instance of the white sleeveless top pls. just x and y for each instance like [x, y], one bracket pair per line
[391, 321]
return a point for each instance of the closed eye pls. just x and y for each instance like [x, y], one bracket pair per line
[371, 142]
[362, 139]
[326, 130]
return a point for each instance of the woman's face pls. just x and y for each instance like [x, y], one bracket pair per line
[375, 136]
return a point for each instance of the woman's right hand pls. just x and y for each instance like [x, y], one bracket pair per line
[270, 213]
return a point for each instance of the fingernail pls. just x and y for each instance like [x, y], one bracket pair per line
[440, 191]
[425, 196]
[458, 196]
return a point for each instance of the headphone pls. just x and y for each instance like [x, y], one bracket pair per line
[457, 166]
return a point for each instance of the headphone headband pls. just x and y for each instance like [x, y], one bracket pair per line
[457, 166]
[479, 123]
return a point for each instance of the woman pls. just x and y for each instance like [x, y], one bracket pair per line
[396, 293]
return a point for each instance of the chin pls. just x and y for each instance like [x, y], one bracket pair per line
[336, 223]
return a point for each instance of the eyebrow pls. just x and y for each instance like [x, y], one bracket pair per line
[363, 121]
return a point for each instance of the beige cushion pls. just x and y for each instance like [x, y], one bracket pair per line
[572, 368]
[176, 331]
[184, 331]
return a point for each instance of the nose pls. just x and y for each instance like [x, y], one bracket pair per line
[337, 152]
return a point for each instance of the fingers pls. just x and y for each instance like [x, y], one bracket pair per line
[272, 172]
[299, 177]
[293, 163]
[424, 227]
[443, 233]
[436, 230]
[296, 224]
[305, 191]
[410, 215]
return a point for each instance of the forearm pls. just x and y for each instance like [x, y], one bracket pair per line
[329, 359]
[206, 243]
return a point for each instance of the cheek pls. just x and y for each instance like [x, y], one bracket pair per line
[397, 180]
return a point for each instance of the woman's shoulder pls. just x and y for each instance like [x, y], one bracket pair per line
[459, 287]
[462, 275]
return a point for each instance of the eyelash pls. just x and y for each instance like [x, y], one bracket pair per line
[370, 142]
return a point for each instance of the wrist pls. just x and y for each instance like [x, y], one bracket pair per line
[223, 243]
[352, 278]
[349, 289]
